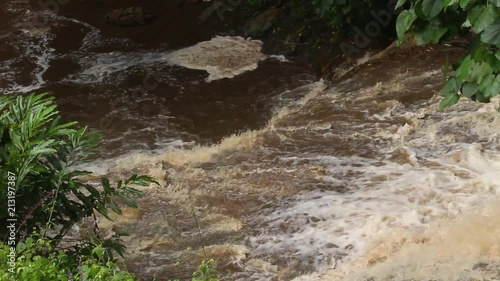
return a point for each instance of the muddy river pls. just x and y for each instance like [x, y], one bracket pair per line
[271, 171]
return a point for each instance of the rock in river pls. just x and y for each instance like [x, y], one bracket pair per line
[131, 16]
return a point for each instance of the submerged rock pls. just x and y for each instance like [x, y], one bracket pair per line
[131, 16]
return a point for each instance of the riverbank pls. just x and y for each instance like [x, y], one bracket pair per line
[294, 29]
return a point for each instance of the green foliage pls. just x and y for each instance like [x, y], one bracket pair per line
[343, 12]
[40, 154]
[404, 22]
[206, 271]
[36, 260]
[477, 75]
[43, 153]
[33, 264]
[332, 9]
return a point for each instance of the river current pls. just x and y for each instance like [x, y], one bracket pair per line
[263, 166]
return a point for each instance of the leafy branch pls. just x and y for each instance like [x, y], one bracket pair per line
[477, 75]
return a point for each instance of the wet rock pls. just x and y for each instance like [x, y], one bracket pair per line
[480, 266]
[331, 246]
[131, 16]
[262, 265]
[349, 247]
[262, 22]
[225, 254]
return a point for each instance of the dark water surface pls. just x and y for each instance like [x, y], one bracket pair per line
[144, 105]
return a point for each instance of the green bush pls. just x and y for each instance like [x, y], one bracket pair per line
[36, 260]
[206, 271]
[477, 75]
[40, 153]
[343, 14]
[42, 189]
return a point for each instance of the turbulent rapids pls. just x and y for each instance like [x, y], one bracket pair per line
[361, 179]
[349, 182]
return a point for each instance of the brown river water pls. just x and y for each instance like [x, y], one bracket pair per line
[271, 171]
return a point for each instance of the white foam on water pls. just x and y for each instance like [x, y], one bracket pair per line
[406, 213]
[463, 248]
[98, 67]
[34, 44]
[427, 209]
[221, 57]
[280, 58]
[386, 196]
[36, 48]
[179, 153]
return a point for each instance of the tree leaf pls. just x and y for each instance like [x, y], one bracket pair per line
[85, 200]
[93, 191]
[469, 89]
[133, 191]
[106, 186]
[491, 34]
[112, 204]
[431, 34]
[481, 17]
[404, 22]
[20, 247]
[131, 203]
[466, 24]
[496, 3]
[103, 211]
[99, 251]
[464, 69]
[448, 101]
[418, 10]
[464, 3]
[399, 4]
[448, 3]
[479, 97]
[490, 85]
[324, 7]
[450, 87]
[478, 71]
[432, 8]
[489, 57]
